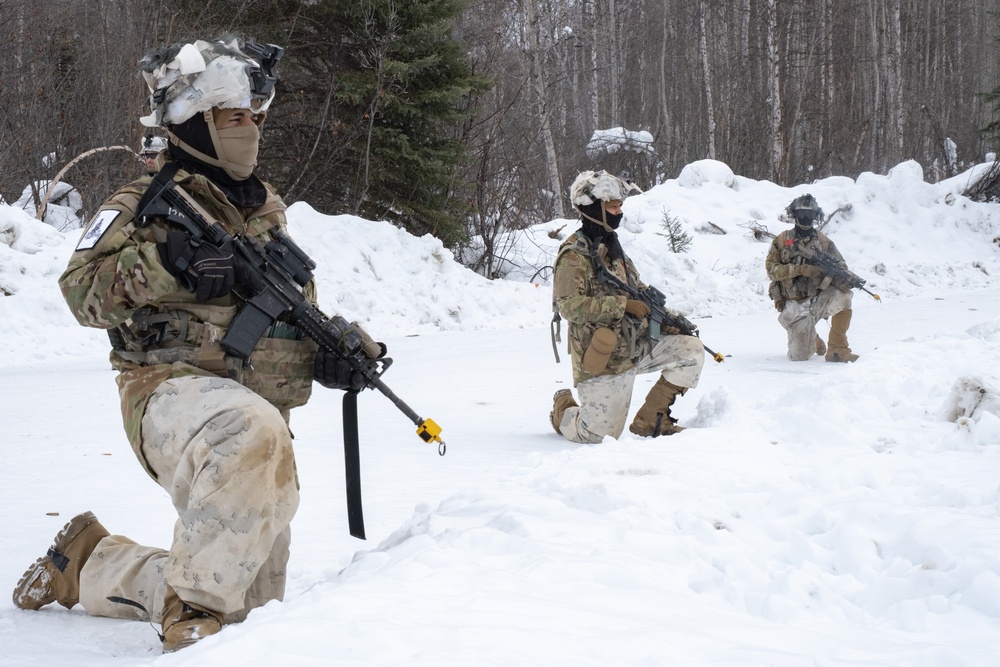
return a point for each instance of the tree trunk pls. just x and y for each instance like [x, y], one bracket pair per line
[590, 24]
[614, 63]
[876, 156]
[777, 151]
[894, 78]
[706, 73]
[542, 107]
[664, 123]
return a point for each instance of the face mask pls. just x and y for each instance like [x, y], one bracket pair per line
[237, 150]
[804, 231]
[613, 220]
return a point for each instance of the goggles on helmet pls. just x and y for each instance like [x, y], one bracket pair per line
[807, 216]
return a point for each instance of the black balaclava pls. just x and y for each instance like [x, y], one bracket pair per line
[246, 193]
[590, 217]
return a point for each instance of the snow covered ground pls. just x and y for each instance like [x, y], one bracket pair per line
[813, 515]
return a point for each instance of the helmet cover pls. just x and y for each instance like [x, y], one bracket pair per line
[152, 144]
[593, 186]
[186, 79]
[805, 210]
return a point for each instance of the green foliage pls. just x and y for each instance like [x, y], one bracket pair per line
[401, 83]
[992, 130]
[370, 101]
[680, 240]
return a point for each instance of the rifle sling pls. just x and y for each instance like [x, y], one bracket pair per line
[605, 276]
[352, 466]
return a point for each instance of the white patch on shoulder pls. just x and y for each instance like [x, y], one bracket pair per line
[100, 224]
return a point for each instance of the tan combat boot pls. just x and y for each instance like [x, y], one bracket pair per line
[184, 624]
[820, 346]
[838, 349]
[560, 401]
[55, 577]
[653, 418]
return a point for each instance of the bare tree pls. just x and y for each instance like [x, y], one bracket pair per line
[774, 88]
[706, 72]
[535, 44]
[789, 91]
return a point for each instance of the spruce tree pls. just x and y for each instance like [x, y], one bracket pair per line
[680, 240]
[401, 85]
[370, 103]
[992, 130]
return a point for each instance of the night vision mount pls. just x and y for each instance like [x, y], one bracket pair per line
[262, 80]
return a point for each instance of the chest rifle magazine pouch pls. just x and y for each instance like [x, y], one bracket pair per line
[602, 344]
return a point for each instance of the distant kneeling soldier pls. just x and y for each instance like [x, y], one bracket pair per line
[803, 293]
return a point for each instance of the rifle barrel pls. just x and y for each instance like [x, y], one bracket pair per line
[715, 355]
[874, 295]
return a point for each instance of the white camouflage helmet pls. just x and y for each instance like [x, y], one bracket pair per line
[153, 144]
[186, 79]
[592, 186]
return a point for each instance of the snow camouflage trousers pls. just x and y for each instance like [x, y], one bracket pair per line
[799, 319]
[604, 400]
[224, 454]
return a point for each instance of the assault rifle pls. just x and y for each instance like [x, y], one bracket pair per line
[829, 265]
[271, 277]
[655, 300]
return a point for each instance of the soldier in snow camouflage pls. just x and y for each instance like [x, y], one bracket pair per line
[211, 430]
[149, 150]
[802, 293]
[609, 332]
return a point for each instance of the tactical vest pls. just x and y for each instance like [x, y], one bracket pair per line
[175, 336]
[632, 335]
[798, 287]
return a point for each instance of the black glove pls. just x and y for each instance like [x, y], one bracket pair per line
[335, 373]
[204, 269]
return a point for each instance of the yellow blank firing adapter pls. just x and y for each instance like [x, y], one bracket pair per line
[429, 431]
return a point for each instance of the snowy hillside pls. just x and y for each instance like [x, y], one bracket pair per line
[814, 515]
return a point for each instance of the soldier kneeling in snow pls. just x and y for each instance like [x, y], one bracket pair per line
[609, 331]
[211, 429]
[802, 293]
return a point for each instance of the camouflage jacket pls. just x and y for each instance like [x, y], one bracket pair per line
[115, 281]
[587, 305]
[788, 251]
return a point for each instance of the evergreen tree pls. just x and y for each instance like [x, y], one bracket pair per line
[396, 108]
[992, 130]
[370, 101]
[680, 240]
